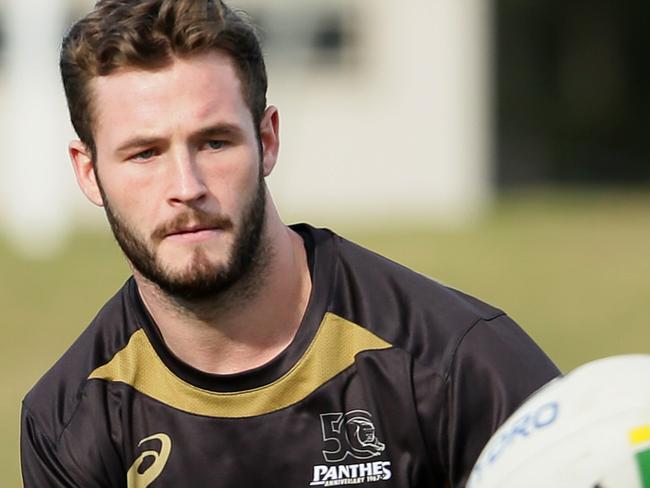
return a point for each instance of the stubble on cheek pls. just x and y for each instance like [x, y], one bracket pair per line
[150, 257]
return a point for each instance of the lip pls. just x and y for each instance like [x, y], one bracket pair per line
[190, 230]
[194, 234]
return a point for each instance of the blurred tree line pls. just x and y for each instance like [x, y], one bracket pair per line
[572, 91]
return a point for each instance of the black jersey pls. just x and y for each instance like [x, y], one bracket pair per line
[392, 380]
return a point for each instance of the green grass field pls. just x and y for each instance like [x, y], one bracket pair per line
[573, 268]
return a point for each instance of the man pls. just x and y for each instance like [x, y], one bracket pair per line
[243, 352]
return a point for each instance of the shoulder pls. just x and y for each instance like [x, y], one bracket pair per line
[52, 402]
[397, 302]
[389, 278]
[432, 322]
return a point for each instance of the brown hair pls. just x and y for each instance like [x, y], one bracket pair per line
[149, 34]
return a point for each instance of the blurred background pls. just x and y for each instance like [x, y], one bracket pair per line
[499, 146]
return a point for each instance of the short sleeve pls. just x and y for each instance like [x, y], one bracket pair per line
[495, 368]
[491, 370]
[80, 456]
[40, 462]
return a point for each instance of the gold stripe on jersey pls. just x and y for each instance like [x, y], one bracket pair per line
[332, 351]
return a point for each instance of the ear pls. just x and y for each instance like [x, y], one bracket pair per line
[84, 170]
[270, 138]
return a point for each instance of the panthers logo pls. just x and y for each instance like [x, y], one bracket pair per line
[350, 434]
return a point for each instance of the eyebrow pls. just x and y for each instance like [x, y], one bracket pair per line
[138, 142]
[218, 130]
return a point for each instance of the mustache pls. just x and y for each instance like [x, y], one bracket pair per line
[193, 220]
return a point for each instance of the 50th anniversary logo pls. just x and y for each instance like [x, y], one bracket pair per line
[350, 436]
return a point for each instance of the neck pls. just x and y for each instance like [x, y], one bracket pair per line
[249, 324]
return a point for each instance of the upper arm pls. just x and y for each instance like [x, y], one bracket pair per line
[494, 368]
[39, 458]
[79, 457]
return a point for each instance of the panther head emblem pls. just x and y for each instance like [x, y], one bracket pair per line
[361, 436]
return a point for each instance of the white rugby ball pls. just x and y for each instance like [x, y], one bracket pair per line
[588, 429]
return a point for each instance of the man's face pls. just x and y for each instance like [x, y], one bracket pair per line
[180, 173]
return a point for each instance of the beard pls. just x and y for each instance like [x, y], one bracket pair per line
[202, 279]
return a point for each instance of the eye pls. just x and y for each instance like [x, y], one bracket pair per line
[215, 145]
[144, 155]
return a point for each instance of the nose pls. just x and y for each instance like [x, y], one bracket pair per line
[187, 185]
